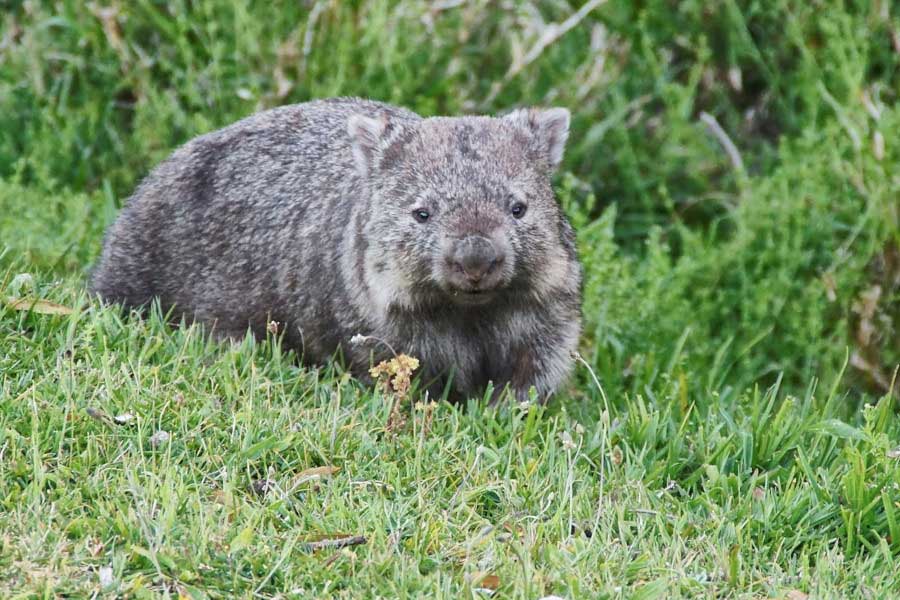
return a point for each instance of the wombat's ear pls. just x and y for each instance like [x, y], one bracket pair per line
[549, 128]
[369, 138]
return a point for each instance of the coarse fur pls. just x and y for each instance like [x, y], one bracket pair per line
[440, 237]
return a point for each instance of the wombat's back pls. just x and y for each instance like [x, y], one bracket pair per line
[242, 221]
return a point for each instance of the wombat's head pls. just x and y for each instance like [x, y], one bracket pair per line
[462, 208]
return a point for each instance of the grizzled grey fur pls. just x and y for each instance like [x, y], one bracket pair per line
[440, 236]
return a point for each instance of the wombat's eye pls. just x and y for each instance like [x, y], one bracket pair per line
[518, 210]
[421, 215]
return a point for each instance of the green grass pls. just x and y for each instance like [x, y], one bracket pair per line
[732, 431]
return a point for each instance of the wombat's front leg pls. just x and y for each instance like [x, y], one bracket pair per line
[529, 367]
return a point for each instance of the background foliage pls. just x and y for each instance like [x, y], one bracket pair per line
[742, 310]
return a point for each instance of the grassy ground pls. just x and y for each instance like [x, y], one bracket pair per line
[732, 431]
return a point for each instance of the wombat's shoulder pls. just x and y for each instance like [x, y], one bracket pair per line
[309, 136]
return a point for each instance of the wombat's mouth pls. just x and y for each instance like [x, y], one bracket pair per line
[472, 296]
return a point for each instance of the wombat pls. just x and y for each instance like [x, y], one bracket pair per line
[438, 237]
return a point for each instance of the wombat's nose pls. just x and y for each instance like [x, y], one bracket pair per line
[476, 256]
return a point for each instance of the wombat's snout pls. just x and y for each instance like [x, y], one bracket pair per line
[476, 258]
